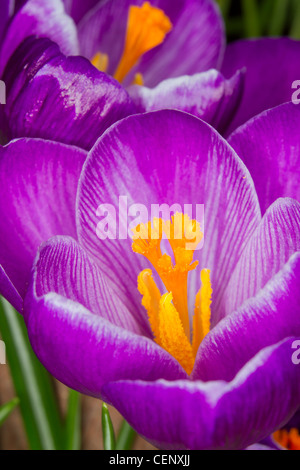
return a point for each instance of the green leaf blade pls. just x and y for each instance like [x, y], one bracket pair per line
[126, 437]
[33, 386]
[7, 409]
[109, 440]
[73, 431]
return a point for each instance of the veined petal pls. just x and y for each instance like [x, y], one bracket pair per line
[84, 351]
[8, 290]
[272, 315]
[166, 157]
[63, 267]
[214, 415]
[208, 96]
[195, 44]
[38, 183]
[43, 19]
[60, 98]
[269, 145]
[275, 240]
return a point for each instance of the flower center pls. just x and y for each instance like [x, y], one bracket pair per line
[147, 27]
[168, 314]
[288, 439]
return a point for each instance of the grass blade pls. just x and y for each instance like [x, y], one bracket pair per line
[73, 432]
[109, 440]
[126, 437]
[295, 28]
[32, 383]
[251, 18]
[278, 17]
[6, 409]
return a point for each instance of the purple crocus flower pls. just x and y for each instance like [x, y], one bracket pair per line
[165, 38]
[55, 97]
[59, 98]
[89, 324]
[175, 68]
[43, 85]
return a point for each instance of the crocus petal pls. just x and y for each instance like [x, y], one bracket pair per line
[207, 95]
[269, 443]
[6, 12]
[57, 98]
[269, 317]
[260, 447]
[295, 421]
[44, 19]
[84, 351]
[194, 45]
[214, 415]
[275, 240]
[264, 88]
[38, 183]
[77, 8]
[166, 157]
[64, 267]
[269, 144]
[8, 290]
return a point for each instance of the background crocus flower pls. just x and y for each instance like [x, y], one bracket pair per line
[208, 95]
[54, 97]
[192, 43]
[83, 310]
[187, 35]
[60, 98]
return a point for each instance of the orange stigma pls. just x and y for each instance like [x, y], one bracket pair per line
[168, 314]
[147, 27]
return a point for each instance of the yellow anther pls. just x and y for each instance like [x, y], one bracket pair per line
[147, 27]
[100, 61]
[151, 298]
[146, 241]
[201, 320]
[168, 314]
[138, 79]
[172, 336]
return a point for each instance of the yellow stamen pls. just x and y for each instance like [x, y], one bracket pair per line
[201, 320]
[147, 27]
[170, 321]
[138, 79]
[150, 300]
[288, 439]
[172, 336]
[100, 61]
[147, 238]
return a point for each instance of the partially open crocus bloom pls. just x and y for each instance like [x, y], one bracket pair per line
[166, 46]
[55, 97]
[52, 96]
[157, 39]
[193, 346]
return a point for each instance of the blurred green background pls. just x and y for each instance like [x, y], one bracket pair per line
[255, 18]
